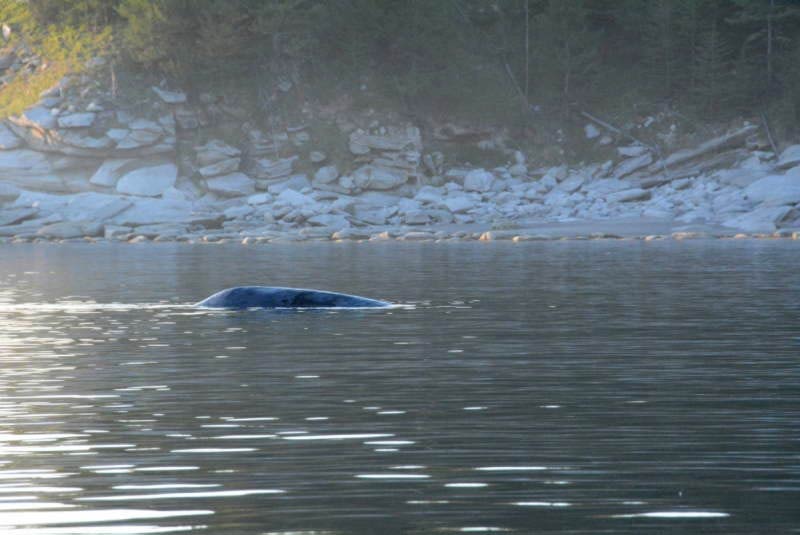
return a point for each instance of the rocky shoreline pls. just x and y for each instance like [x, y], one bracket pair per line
[78, 166]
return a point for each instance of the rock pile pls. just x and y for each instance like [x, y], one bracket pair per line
[75, 165]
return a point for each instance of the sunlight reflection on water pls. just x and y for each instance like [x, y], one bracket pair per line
[570, 387]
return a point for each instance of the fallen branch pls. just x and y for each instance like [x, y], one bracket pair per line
[619, 131]
[711, 145]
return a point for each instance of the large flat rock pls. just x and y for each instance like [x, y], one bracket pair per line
[149, 181]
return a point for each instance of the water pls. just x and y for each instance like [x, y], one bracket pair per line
[583, 387]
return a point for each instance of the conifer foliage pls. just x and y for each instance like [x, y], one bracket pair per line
[720, 57]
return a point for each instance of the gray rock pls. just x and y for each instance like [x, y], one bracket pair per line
[259, 198]
[8, 140]
[170, 97]
[352, 234]
[37, 117]
[631, 151]
[215, 151]
[92, 206]
[110, 171]
[591, 131]
[116, 232]
[790, 157]
[629, 195]
[148, 181]
[459, 204]
[317, 156]
[762, 219]
[478, 180]
[62, 230]
[117, 134]
[266, 168]
[137, 139]
[76, 120]
[626, 167]
[222, 167]
[571, 184]
[79, 140]
[518, 170]
[231, 185]
[295, 182]
[238, 212]
[395, 139]
[8, 192]
[12, 216]
[372, 177]
[326, 175]
[417, 217]
[333, 221]
[776, 190]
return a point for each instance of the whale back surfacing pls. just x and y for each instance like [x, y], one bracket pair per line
[274, 297]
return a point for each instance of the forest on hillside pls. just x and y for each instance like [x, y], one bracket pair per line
[502, 59]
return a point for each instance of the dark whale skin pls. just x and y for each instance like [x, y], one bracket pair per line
[243, 297]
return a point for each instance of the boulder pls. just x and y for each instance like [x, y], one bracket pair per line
[170, 97]
[458, 204]
[62, 230]
[37, 117]
[762, 219]
[295, 199]
[8, 192]
[137, 139]
[12, 216]
[215, 151]
[629, 195]
[478, 180]
[591, 131]
[295, 182]
[333, 221]
[790, 157]
[380, 178]
[110, 171]
[30, 169]
[632, 151]
[222, 167]
[44, 202]
[571, 184]
[259, 198]
[317, 156]
[776, 190]
[265, 168]
[326, 175]
[148, 211]
[117, 134]
[628, 166]
[231, 185]
[417, 217]
[8, 140]
[95, 207]
[518, 170]
[87, 145]
[76, 120]
[429, 194]
[240, 211]
[395, 139]
[148, 181]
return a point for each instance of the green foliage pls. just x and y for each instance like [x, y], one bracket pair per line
[63, 48]
[475, 59]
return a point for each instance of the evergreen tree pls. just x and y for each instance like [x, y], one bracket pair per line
[712, 72]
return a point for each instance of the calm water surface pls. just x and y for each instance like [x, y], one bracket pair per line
[583, 387]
